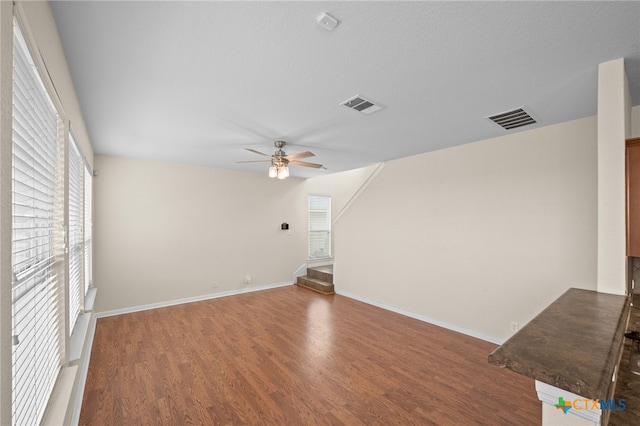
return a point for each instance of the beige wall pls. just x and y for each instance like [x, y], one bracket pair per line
[614, 126]
[167, 231]
[478, 235]
[635, 122]
[341, 187]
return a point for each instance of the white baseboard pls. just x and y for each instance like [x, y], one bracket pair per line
[368, 301]
[84, 365]
[423, 318]
[188, 300]
[300, 272]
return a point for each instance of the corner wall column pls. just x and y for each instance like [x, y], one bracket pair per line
[613, 111]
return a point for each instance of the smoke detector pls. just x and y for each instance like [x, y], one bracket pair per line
[361, 104]
[327, 21]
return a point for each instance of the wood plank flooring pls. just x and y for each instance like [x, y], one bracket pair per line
[292, 356]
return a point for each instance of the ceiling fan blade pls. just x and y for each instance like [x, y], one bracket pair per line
[305, 164]
[253, 161]
[305, 154]
[257, 152]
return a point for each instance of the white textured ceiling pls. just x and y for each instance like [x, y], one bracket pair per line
[196, 82]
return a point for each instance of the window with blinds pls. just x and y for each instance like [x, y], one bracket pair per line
[319, 227]
[87, 229]
[75, 234]
[36, 239]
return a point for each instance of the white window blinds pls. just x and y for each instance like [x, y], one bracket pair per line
[319, 227]
[76, 222]
[35, 240]
[87, 229]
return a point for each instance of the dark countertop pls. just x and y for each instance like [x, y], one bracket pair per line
[574, 344]
[628, 386]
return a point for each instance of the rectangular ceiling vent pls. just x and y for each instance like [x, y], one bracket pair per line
[361, 104]
[513, 119]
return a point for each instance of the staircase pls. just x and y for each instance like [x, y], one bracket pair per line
[318, 278]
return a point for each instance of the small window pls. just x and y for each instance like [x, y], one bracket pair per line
[319, 227]
[76, 221]
[87, 230]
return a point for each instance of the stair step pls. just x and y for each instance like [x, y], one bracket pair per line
[315, 284]
[322, 273]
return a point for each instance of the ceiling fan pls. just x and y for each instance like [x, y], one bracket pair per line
[280, 160]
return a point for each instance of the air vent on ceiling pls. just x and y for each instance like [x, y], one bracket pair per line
[361, 104]
[513, 119]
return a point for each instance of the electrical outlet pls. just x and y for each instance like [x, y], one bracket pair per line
[513, 326]
[247, 279]
[215, 284]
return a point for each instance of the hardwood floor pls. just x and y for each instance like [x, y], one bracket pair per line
[292, 356]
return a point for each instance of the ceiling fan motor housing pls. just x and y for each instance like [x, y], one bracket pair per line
[280, 160]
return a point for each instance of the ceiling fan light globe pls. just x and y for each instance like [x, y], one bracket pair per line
[283, 172]
[273, 172]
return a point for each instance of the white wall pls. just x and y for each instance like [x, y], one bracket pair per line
[478, 235]
[156, 225]
[168, 231]
[614, 126]
[341, 187]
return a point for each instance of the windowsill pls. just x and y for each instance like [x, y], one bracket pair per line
[78, 337]
[90, 299]
[79, 334]
[59, 404]
[319, 259]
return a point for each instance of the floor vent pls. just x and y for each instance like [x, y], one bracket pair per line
[361, 104]
[513, 119]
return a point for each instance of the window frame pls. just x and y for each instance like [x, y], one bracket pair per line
[317, 206]
[75, 233]
[36, 330]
